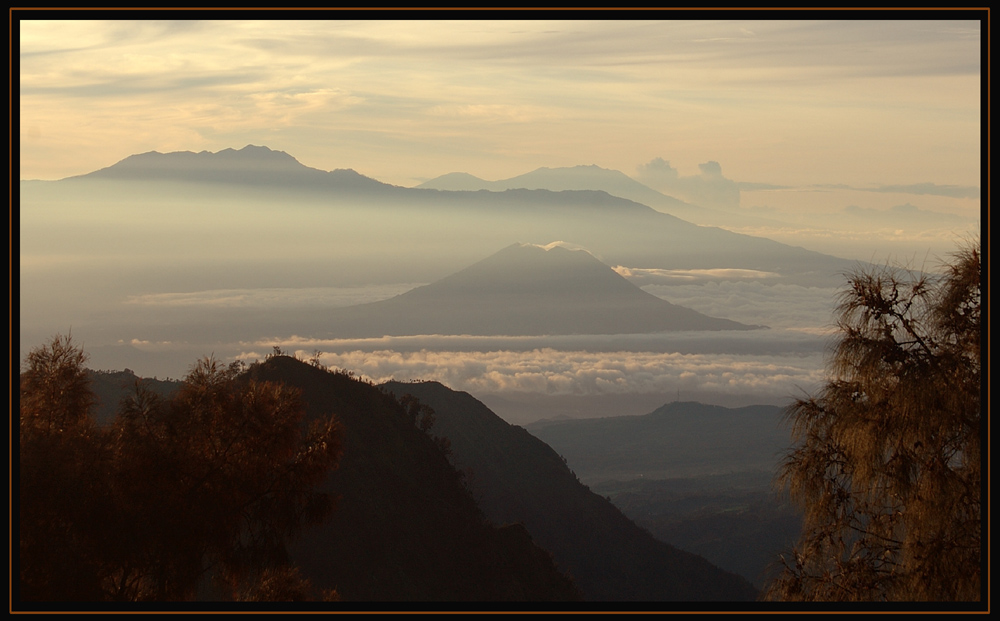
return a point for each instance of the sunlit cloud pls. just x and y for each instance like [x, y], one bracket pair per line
[644, 276]
[557, 372]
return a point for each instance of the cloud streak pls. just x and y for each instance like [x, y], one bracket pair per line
[272, 297]
[649, 276]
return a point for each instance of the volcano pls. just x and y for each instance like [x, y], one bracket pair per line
[525, 290]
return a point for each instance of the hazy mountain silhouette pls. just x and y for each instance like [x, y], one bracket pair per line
[250, 166]
[525, 290]
[590, 177]
[696, 476]
[679, 439]
[593, 177]
[417, 229]
[739, 522]
[516, 477]
[110, 387]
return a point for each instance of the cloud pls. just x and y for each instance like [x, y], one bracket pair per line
[953, 191]
[154, 346]
[773, 365]
[563, 244]
[558, 372]
[756, 301]
[649, 276]
[709, 188]
[710, 169]
[559, 244]
[906, 215]
[657, 171]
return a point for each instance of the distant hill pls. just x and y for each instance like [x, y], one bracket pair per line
[404, 528]
[678, 439]
[110, 387]
[525, 290]
[254, 166]
[697, 476]
[518, 478]
[738, 521]
[591, 177]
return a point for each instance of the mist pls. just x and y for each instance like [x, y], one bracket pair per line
[155, 275]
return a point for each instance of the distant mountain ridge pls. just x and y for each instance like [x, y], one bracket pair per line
[620, 230]
[525, 290]
[583, 177]
[252, 165]
[678, 439]
[594, 178]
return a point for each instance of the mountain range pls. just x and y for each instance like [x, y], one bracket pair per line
[614, 182]
[428, 231]
[590, 177]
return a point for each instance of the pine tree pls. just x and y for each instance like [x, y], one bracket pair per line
[887, 458]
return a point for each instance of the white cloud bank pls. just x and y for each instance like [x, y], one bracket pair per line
[558, 372]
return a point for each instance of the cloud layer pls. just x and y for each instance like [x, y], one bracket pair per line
[558, 372]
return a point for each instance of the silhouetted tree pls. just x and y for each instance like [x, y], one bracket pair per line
[421, 414]
[887, 465]
[212, 482]
[59, 450]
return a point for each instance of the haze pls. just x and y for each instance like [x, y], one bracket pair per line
[855, 139]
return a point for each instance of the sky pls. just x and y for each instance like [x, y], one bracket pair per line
[853, 137]
[858, 102]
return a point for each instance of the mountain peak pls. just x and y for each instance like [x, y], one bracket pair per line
[254, 152]
[251, 166]
[525, 290]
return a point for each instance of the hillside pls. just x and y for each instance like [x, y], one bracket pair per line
[111, 386]
[404, 528]
[516, 477]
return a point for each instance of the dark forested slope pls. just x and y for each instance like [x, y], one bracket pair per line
[404, 528]
[517, 477]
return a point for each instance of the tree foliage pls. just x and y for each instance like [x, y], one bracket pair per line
[213, 482]
[887, 465]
